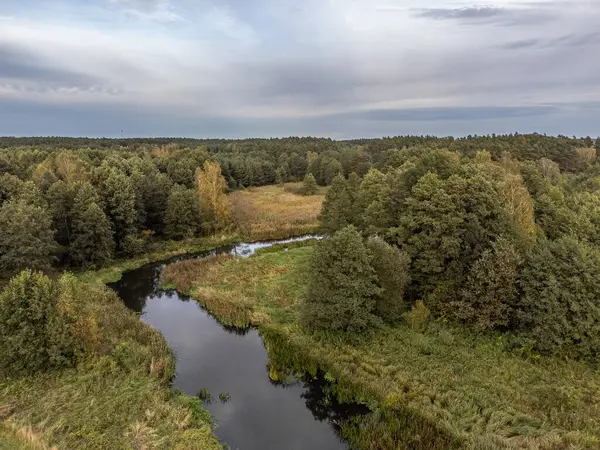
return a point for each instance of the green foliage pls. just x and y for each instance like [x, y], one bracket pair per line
[336, 207]
[559, 307]
[92, 236]
[119, 197]
[447, 225]
[182, 217]
[34, 334]
[392, 267]
[371, 202]
[489, 296]
[342, 288]
[132, 245]
[418, 316]
[26, 237]
[309, 185]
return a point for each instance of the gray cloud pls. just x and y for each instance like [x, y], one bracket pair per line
[568, 40]
[483, 12]
[19, 64]
[507, 16]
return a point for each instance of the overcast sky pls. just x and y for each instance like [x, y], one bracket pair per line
[337, 68]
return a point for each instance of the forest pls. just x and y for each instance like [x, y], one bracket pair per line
[486, 248]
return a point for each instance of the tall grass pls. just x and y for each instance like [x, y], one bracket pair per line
[444, 388]
[269, 212]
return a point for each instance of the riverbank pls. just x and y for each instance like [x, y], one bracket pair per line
[445, 388]
[118, 396]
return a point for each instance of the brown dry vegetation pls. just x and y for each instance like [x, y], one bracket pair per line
[269, 212]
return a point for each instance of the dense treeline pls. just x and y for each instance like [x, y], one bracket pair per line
[89, 200]
[495, 243]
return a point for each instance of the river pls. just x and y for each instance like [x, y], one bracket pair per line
[259, 414]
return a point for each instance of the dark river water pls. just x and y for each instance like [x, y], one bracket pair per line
[260, 414]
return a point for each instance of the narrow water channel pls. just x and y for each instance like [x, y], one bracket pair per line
[259, 414]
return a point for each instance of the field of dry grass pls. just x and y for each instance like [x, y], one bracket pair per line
[273, 212]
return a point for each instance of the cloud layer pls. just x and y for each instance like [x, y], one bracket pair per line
[337, 68]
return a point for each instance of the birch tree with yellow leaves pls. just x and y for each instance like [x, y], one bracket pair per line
[212, 189]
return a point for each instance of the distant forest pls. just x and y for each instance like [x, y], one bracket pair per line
[85, 201]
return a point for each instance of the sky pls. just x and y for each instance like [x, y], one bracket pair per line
[270, 68]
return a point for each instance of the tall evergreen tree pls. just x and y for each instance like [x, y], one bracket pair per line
[26, 237]
[309, 186]
[342, 287]
[60, 198]
[92, 235]
[119, 198]
[183, 216]
[336, 207]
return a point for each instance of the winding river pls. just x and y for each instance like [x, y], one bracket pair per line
[259, 414]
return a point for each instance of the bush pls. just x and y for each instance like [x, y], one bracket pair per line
[34, 335]
[343, 286]
[392, 268]
[559, 307]
[418, 316]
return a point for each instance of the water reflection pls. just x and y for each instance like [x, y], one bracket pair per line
[260, 414]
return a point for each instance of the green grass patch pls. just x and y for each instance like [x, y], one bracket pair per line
[444, 388]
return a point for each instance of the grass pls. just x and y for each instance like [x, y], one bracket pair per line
[444, 388]
[270, 212]
[117, 397]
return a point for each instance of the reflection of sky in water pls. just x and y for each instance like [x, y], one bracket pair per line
[247, 249]
[260, 414]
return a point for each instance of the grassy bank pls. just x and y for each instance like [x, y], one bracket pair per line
[446, 388]
[117, 397]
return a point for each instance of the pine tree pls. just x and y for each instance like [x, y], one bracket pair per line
[309, 186]
[92, 235]
[342, 287]
[183, 216]
[60, 203]
[336, 210]
[26, 237]
[119, 198]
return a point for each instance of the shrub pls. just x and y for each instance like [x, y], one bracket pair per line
[559, 307]
[343, 286]
[418, 316]
[392, 268]
[34, 335]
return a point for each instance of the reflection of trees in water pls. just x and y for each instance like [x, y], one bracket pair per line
[319, 396]
[321, 400]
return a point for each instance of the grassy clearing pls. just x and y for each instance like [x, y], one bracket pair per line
[270, 212]
[446, 388]
[118, 396]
